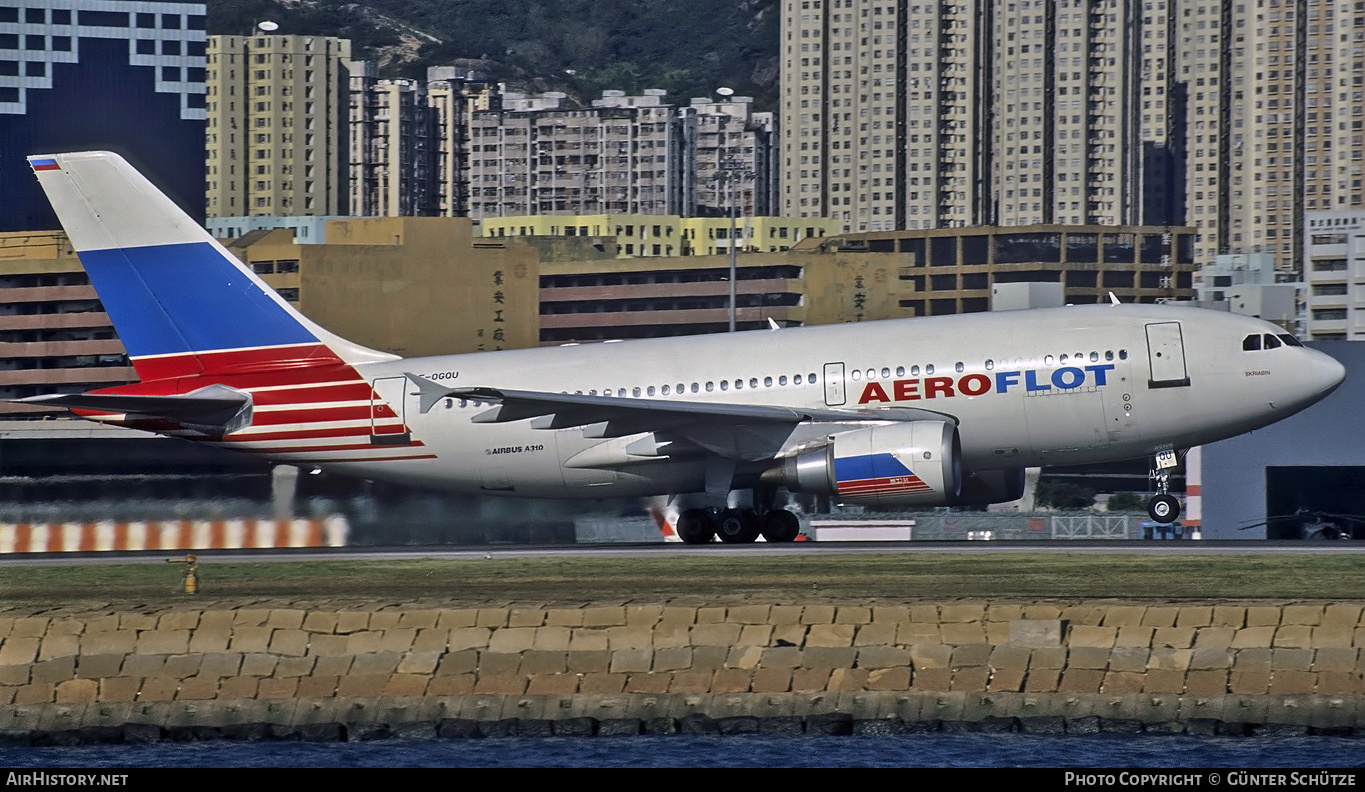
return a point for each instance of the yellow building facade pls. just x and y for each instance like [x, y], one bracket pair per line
[666, 235]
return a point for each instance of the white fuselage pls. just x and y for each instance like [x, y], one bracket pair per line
[1040, 387]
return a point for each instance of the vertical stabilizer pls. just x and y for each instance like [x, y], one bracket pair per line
[181, 303]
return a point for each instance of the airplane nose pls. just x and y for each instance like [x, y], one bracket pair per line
[1325, 372]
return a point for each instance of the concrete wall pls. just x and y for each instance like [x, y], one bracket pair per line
[331, 672]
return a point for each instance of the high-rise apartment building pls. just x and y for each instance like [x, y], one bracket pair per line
[118, 75]
[277, 125]
[732, 148]
[393, 146]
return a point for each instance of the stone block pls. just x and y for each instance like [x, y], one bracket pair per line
[36, 693]
[1128, 658]
[1038, 611]
[101, 643]
[756, 635]
[931, 656]
[846, 614]
[1134, 635]
[1008, 679]
[1293, 636]
[1234, 616]
[509, 640]
[888, 679]
[516, 617]
[333, 666]
[589, 662]
[77, 691]
[691, 682]
[421, 663]
[710, 658]
[970, 655]
[890, 614]
[817, 614]
[1332, 637]
[98, 666]
[958, 613]
[1086, 615]
[716, 634]
[1338, 683]
[158, 690]
[625, 661]
[365, 641]
[181, 666]
[453, 685]
[810, 679]
[1309, 615]
[1042, 680]
[1164, 681]
[19, 650]
[1049, 658]
[830, 635]
[783, 635]
[1035, 632]
[1122, 682]
[777, 680]
[238, 687]
[971, 679]
[283, 688]
[553, 685]
[731, 680]
[1160, 616]
[677, 658]
[1206, 659]
[60, 645]
[1258, 637]
[1094, 637]
[748, 614]
[1207, 682]
[589, 639]
[934, 679]
[644, 615]
[1088, 657]
[1257, 660]
[289, 642]
[363, 685]
[220, 664]
[1291, 659]
[610, 616]
[675, 635]
[462, 638]
[744, 657]
[876, 633]
[1170, 660]
[1124, 616]
[386, 619]
[1263, 616]
[249, 617]
[420, 619]
[1214, 637]
[1341, 614]
[244, 639]
[1249, 682]
[198, 688]
[1291, 682]
[1336, 659]
[119, 688]
[56, 670]
[348, 622]
[551, 639]
[963, 632]
[648, 683]
[630, 636]
[883, 657]
[1195, 616]
[320, 645]
[315, 621]
[780, 615]
[1081, 680]
[406, 685]
[564, 617]
[781, 657]
[284, 667]
[1173, 637]
[1004, 613]
[29, 627]
[918, 633]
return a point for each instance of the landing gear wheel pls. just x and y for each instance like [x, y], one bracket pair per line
[1164, 509]
[737, 526]
[780, 525]
[696, 526]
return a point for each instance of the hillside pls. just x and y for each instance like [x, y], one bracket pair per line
[687, 47]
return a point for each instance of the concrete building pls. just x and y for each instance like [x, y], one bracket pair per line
[54, 334]
[394, 145]
[1334, 273]
[277, 125]
[733, 151]
[118, 75]
[666, 235]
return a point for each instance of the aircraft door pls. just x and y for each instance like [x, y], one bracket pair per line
[835, 395]
[1166, 356]
[387, 402]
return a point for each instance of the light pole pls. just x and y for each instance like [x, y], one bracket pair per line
[729, 169]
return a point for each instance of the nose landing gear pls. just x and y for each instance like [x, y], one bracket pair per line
[1163, 507]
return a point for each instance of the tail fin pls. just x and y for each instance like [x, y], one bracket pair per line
[181, 303]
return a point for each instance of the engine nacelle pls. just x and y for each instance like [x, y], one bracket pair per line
[918, 463]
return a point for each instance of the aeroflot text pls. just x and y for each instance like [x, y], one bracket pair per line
[1033, 381]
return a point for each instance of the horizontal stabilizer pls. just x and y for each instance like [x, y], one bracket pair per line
[214, 411]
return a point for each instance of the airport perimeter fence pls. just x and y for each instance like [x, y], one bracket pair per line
[946, 526]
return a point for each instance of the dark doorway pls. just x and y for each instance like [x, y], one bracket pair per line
[1318, 490]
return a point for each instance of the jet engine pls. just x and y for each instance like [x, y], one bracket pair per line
[918, 463]
[983, 487]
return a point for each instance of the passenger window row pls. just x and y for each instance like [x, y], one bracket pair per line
[753, 383]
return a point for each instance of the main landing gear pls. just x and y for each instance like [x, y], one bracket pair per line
[1163, 507]
[737, 526]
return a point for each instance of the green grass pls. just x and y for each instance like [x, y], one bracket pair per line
[886, 577]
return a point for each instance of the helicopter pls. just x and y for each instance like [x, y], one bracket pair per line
[1312, 525]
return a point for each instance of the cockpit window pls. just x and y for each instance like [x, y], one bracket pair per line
[1271, 342]
[1251, 343]
[1290, 340]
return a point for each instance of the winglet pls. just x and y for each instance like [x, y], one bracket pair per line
[1113, 299]
[773, 325]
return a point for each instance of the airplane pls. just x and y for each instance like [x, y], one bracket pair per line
[920, 412]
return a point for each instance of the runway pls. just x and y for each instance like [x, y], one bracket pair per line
[796, 549]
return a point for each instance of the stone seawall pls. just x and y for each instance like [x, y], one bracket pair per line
[330, 672]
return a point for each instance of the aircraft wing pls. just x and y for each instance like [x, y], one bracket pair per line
[564, 410]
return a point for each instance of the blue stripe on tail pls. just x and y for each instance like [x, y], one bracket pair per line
[166, 299]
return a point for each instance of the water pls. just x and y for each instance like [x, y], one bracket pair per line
[753, 750]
